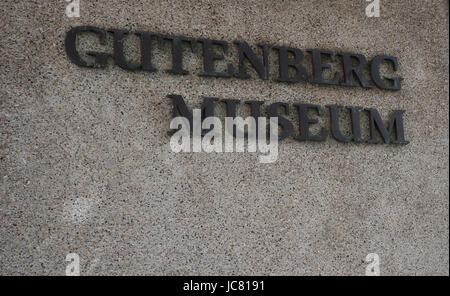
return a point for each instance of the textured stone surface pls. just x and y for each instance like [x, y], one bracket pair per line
[85, 164]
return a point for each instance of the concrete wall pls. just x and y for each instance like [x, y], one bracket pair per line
[86, 166]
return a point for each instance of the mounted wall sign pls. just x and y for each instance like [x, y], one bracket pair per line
[291, 70]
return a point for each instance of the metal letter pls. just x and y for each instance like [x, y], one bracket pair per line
[246, 53]
[209, 56]
[336, 131]
[305, 122]
[71, 49]
[375, 73]
[350, 70]
[377, 124]
[285, 63]
[318, 67]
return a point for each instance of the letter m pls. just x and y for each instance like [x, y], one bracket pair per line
[180, 109]
[376, 123]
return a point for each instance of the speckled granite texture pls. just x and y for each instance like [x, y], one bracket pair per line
[85, 164]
